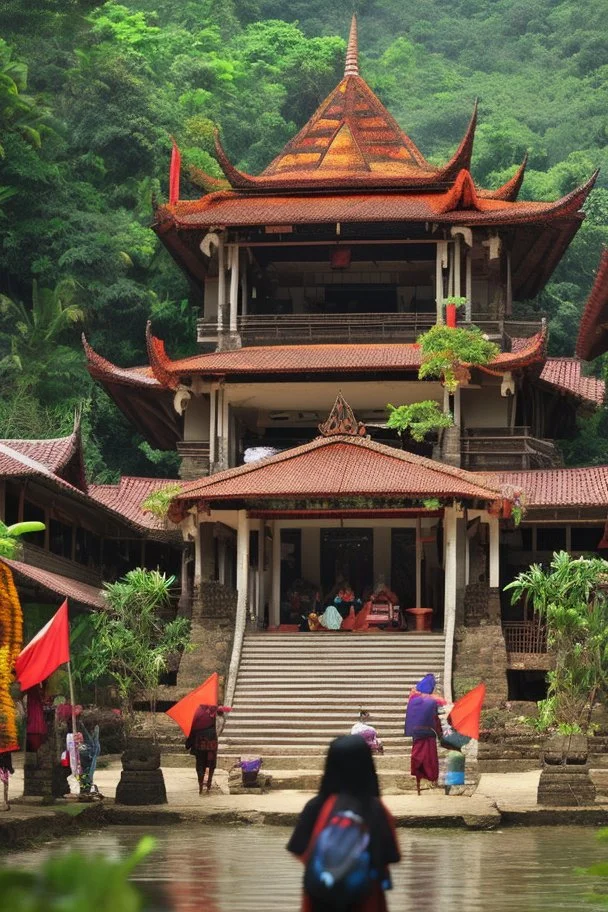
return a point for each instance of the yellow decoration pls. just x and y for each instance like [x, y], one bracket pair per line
[11, 640]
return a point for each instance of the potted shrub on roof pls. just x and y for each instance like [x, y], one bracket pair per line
[448, 352]
[452, 305]
[569, 596]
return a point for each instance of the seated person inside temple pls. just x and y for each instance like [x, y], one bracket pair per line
[344, 610]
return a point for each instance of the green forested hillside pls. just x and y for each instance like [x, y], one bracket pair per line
[91, 94]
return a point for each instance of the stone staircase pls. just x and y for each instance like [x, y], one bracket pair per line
[295, 692]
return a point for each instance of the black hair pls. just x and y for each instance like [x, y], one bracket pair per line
[349, 769]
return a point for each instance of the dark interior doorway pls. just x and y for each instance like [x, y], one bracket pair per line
[360, 299]
[347, 555]
[403, 566]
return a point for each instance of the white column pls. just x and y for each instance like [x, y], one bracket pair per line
[275, 604]
[225, 431]
[418, 562]
[469, 286]
[509, 285]
[197, 557]
[457, 283]
[221, 285]
[234, 287]
[451, 270]
[219, 420]
[439, 281]
[449, 602]
[242, 581]
[261, 580]
[221, 560]
[446, 400]
[212, 426]
[494, 552]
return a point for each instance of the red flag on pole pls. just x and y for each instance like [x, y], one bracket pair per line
[49, 649]
[174, 170]
[207, 695]
[466, 712]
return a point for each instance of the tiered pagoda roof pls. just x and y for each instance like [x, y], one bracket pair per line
[351, 163]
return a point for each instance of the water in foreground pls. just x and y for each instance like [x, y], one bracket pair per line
[246, 869]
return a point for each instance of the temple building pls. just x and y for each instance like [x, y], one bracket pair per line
[93, 533]
[315, 279]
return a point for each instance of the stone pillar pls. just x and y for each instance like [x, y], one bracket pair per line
[234, 287]
[440, 262]
[212, 427]
[451, 553]
[469, 286]
[207, 551]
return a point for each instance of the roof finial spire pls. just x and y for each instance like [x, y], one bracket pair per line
[352, 51]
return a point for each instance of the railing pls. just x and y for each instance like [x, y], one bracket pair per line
[507, 448]
[46, 560]
[525, 636]
[294, 329]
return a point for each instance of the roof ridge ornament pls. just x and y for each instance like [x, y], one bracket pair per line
[341, 421]
[351, 66]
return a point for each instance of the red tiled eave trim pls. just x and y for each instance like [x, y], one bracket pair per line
[593, 337]
[62, 586]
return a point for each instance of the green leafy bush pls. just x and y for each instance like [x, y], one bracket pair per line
[72, 882]
[418, 419]
[448, 352]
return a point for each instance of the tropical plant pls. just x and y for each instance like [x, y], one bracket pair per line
[418, 419]
[10, 543]
[11, 637]
[599, 870]
[448, 352]
[72, 881]
[157, 503]
[52, 312]
[132, 641]
[569, 596]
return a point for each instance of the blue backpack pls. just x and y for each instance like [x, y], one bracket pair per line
[339, 873]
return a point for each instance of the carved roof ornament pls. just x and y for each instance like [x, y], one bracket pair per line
[341, 421]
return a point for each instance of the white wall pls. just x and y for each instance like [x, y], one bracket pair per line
[196, 419]
[484, 407]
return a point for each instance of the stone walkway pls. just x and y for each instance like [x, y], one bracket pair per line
[500, 798]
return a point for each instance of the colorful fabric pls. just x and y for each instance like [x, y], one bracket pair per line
[185, 709]
[331, 618]
[36, 729]
[466, 712]
[427, 685]
[369, 735]
[425, 761]
[349, 622]
[421, 718]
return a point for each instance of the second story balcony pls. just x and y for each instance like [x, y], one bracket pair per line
[336, 328]
[508, 449]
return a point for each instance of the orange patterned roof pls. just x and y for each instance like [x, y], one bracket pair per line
[341, 466]
[62, 586]
[592, 335]
[351, 140]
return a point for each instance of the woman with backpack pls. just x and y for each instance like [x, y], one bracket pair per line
[346, 836]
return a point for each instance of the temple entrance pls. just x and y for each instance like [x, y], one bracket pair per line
[347, 555]
[403, 566]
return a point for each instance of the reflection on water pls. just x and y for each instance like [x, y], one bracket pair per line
[246, 869]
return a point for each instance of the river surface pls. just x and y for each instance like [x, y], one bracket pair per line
[246, 869]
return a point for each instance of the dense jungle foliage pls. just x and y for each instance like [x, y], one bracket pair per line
[90, 94]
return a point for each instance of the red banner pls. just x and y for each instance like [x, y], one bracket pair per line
[49, 649]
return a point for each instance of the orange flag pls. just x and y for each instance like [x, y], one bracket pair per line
[207, 695]
[466, 712]
[49, 649]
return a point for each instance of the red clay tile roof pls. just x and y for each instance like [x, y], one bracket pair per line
[122, 501]
[510, 190]
[592, 335]
[585, 487]
[294, 359]
[127, 496]
[339, 467]
[61, 586]
[238, 209]
[565, 375]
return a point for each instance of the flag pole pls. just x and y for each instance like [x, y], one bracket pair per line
[71, 683]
